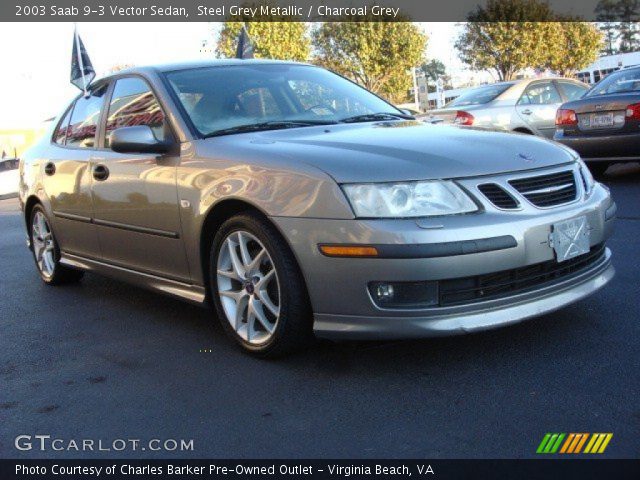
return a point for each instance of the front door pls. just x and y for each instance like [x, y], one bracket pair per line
[67, 177]
[538, 105]
[135, 195]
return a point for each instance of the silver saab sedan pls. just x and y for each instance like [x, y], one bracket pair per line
[302, 205]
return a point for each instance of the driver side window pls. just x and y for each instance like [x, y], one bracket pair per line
[133, 103]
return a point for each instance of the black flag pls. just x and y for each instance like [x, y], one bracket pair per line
[245, 48]
[82, 72]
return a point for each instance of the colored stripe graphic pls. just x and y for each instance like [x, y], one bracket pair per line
[550, 443]
[573, 443]
[598, 442]
[581, 442]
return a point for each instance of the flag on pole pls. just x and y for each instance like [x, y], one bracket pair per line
[245, 47]
[82, 72]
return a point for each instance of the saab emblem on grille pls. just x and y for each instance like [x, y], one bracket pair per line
[555, 188]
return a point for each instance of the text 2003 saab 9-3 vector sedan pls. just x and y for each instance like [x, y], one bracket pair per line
[302, 204]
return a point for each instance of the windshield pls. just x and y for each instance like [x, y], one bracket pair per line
[238, 98]
[480, 95]
[618, 82]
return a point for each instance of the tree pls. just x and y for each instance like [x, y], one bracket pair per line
[619, 20]
[571, 46]
[606, 16]
[433, 69]
[120, 67]
[377, 55]
[283, 40]
[629, 12]
[487, 42]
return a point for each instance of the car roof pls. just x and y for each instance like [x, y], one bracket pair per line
[170, 67]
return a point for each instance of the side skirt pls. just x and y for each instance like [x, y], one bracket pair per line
[192, 293]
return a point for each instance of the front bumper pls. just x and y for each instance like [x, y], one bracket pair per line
[343, 307]
[482, 316]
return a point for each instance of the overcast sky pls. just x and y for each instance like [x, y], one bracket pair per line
[35, 61]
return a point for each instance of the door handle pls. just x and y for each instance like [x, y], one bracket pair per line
[100, 172]
[50, 168]
[526, 112]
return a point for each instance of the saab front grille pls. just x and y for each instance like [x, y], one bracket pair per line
[498, 196]
[547, 190]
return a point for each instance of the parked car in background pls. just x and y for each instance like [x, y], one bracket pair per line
[9, 177]
[525, 106]
[299, 203]
[604, 125]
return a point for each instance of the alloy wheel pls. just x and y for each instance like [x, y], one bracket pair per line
[248, 287]
[43, 245]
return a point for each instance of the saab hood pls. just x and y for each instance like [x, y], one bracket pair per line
[397, 151]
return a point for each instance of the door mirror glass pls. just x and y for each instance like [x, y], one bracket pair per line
[137, 139]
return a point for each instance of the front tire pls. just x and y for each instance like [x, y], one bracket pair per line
[258, 289]
[46, 252]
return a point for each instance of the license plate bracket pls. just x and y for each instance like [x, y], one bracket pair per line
[570, 238]
[601, 120]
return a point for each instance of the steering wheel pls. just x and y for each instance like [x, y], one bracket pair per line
[320, 105]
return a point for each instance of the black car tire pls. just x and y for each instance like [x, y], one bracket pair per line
[294, 327]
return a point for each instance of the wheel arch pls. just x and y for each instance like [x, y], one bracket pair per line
[219, 213]
[523, 130]
[31, 202]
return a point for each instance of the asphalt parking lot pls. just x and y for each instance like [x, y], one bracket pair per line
[104, 360]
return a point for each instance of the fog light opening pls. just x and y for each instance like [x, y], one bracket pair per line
[404, 294]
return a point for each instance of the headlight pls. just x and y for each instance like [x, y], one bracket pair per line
[411, 199]
[587, 177]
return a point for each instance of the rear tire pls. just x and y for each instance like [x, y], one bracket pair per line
[46, 252]
[598, 169]
[257, 288]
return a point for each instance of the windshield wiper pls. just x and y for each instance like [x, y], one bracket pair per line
[372, 117]
[272, 125]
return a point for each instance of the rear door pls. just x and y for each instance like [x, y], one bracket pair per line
[537, 107]
[67, 177]
[135, 195]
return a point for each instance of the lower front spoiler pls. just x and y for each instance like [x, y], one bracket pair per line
[475, 318]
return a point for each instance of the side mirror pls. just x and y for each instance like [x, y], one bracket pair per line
[137, 139]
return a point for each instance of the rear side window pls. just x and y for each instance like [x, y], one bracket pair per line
[573, 91]
[84, 120]
[60, 135]
[480, 95]
[133, 103]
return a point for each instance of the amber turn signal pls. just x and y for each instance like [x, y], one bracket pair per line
[348, 251]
